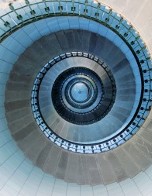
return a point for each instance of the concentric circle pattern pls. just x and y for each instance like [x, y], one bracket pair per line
[78, 94]
[79, 89]
[98, 90]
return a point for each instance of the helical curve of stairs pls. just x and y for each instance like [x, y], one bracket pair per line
[46, 150]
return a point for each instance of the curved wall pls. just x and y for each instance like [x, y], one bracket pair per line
[18, 176]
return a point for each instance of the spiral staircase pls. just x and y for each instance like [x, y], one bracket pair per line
[76, 96]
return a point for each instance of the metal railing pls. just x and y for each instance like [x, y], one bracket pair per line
[120, 138]
[31, 12]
